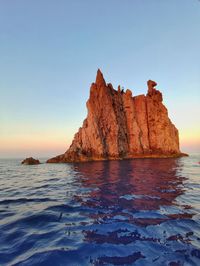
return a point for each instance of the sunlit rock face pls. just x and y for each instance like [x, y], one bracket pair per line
[121, 126]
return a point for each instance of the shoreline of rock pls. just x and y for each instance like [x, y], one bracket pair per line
[138, 156]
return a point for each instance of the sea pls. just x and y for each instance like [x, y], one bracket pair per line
[129, 212]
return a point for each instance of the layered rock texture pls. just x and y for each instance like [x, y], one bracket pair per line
[121, 126]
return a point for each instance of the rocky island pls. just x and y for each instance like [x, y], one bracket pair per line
[30, 161]
[122, 126]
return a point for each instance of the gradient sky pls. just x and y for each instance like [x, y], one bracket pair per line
[50, 51]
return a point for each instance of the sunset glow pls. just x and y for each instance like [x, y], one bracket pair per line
[49, 58]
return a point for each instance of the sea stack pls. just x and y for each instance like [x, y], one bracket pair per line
[122, 126]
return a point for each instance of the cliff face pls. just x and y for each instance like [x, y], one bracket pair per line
[120, 126]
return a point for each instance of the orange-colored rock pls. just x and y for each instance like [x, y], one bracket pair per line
[120, 126]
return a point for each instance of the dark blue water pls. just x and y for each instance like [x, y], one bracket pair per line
[133, 212]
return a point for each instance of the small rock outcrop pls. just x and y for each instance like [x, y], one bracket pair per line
[30, 161]
[122, 126]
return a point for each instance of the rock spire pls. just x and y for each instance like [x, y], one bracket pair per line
[122, 126]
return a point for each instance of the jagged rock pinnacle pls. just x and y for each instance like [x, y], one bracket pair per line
[100, 79]
[151, 84]
[152, 92]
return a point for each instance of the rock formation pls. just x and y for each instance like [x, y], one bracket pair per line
[30, 161]
[120, 126]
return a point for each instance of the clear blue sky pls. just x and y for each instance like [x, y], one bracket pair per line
[50, 51]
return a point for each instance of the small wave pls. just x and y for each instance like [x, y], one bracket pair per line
[52, 257]
[116, 260]
[23, 200]
[34, 221]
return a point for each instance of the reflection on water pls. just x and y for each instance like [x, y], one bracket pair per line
[133, 212]
[129, 195]
[128, 187]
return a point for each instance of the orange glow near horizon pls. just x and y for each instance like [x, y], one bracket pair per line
[190, 140]
[46, 145]
[38, 145]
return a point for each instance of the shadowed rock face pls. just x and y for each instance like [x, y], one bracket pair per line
[120, 126]
[30, 161]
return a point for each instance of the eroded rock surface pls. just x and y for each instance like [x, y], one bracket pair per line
[119, 126]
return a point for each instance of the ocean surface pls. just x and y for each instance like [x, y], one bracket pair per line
[132, 212]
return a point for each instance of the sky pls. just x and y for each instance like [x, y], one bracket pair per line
[50, 51]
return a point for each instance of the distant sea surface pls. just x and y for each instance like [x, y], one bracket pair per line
[132, 212]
